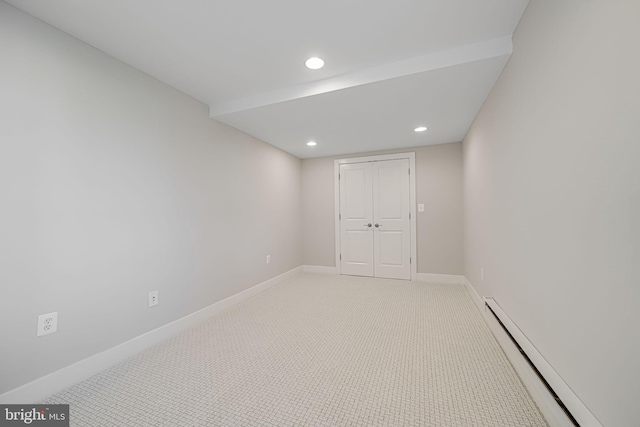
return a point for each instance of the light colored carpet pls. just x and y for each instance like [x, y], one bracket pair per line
[319, 351]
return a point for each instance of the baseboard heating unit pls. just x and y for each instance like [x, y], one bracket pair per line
[554, 397]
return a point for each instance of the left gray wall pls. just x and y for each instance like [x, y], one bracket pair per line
[114, 184]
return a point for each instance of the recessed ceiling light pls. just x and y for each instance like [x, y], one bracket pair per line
[314, 63]
[420, 129]
[311, 143]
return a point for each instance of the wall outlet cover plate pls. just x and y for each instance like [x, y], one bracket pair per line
[47, 323]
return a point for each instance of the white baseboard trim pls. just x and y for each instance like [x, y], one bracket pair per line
[448, 279]
[543, 398]
[319, 269]
[61, 379]
[474, 295]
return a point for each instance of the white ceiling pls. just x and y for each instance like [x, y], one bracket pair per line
[390, 66]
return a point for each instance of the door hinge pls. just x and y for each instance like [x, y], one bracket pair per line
[409, 215]
[409, 260]
[340, 257]
[339, 216]
[338, 177]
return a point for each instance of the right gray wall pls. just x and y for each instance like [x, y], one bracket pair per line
[552, 196]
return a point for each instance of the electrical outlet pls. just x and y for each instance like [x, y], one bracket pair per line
[47, 323]
[420, 207]
[268, 259]
[153, 298]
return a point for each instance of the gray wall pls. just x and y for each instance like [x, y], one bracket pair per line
[439, 227]
[114, 184]
[552, 196]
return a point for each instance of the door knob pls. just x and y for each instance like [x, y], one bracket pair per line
[378, 225]
[368, 225]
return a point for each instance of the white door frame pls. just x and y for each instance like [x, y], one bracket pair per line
[412, 198]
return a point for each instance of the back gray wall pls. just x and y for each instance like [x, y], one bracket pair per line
[439, 227]
[114, 184]
[552, 196]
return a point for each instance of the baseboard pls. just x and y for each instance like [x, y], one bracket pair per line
[477, 299]
[538, 391]
[319, 269]
[448, 279]
[61, 379]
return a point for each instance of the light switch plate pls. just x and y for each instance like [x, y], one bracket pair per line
[153, 298]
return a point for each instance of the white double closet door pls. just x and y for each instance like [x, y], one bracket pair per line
[375, 233]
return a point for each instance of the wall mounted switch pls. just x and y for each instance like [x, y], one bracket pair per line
[153, 298]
